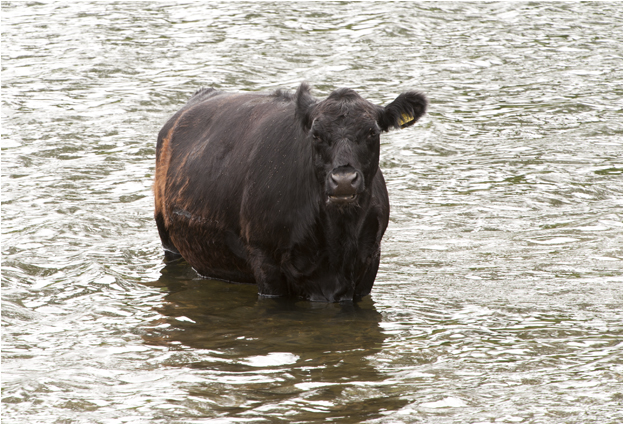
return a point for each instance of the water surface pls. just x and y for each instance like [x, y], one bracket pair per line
[499, 297]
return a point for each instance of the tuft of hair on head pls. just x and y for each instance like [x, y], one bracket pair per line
[344, 94]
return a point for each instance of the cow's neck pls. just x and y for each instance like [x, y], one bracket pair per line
[341, 231]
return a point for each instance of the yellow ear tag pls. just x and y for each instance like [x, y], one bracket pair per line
[405, 119]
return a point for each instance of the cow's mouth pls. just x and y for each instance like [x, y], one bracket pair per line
[342, 198]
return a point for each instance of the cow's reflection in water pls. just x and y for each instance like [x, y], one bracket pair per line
[251, 351]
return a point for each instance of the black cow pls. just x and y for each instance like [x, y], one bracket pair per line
[280, 190]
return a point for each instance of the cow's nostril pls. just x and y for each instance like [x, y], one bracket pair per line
[343, 184]
[354, 180]
[344, 179]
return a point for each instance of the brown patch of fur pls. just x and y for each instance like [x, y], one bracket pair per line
[160, 179]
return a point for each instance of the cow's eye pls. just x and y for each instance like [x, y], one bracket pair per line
[318, 138]
[372, 133]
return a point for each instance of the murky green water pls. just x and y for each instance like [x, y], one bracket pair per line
[499, 297]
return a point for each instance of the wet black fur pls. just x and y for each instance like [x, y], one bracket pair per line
[241, 189]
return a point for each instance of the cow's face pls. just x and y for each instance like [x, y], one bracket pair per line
[344, 130]
[345, 137]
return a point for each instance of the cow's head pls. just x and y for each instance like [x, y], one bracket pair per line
[344, 130]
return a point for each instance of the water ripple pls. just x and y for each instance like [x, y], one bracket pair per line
[499, 296]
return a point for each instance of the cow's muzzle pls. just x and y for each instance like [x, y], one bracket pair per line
[343, 185]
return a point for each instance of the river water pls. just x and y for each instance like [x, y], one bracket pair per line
[499, 296]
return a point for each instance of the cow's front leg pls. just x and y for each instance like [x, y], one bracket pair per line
[364, 284]
[267, 273]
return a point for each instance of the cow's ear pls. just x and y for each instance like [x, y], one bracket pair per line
[305, 103]
[403, 112]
